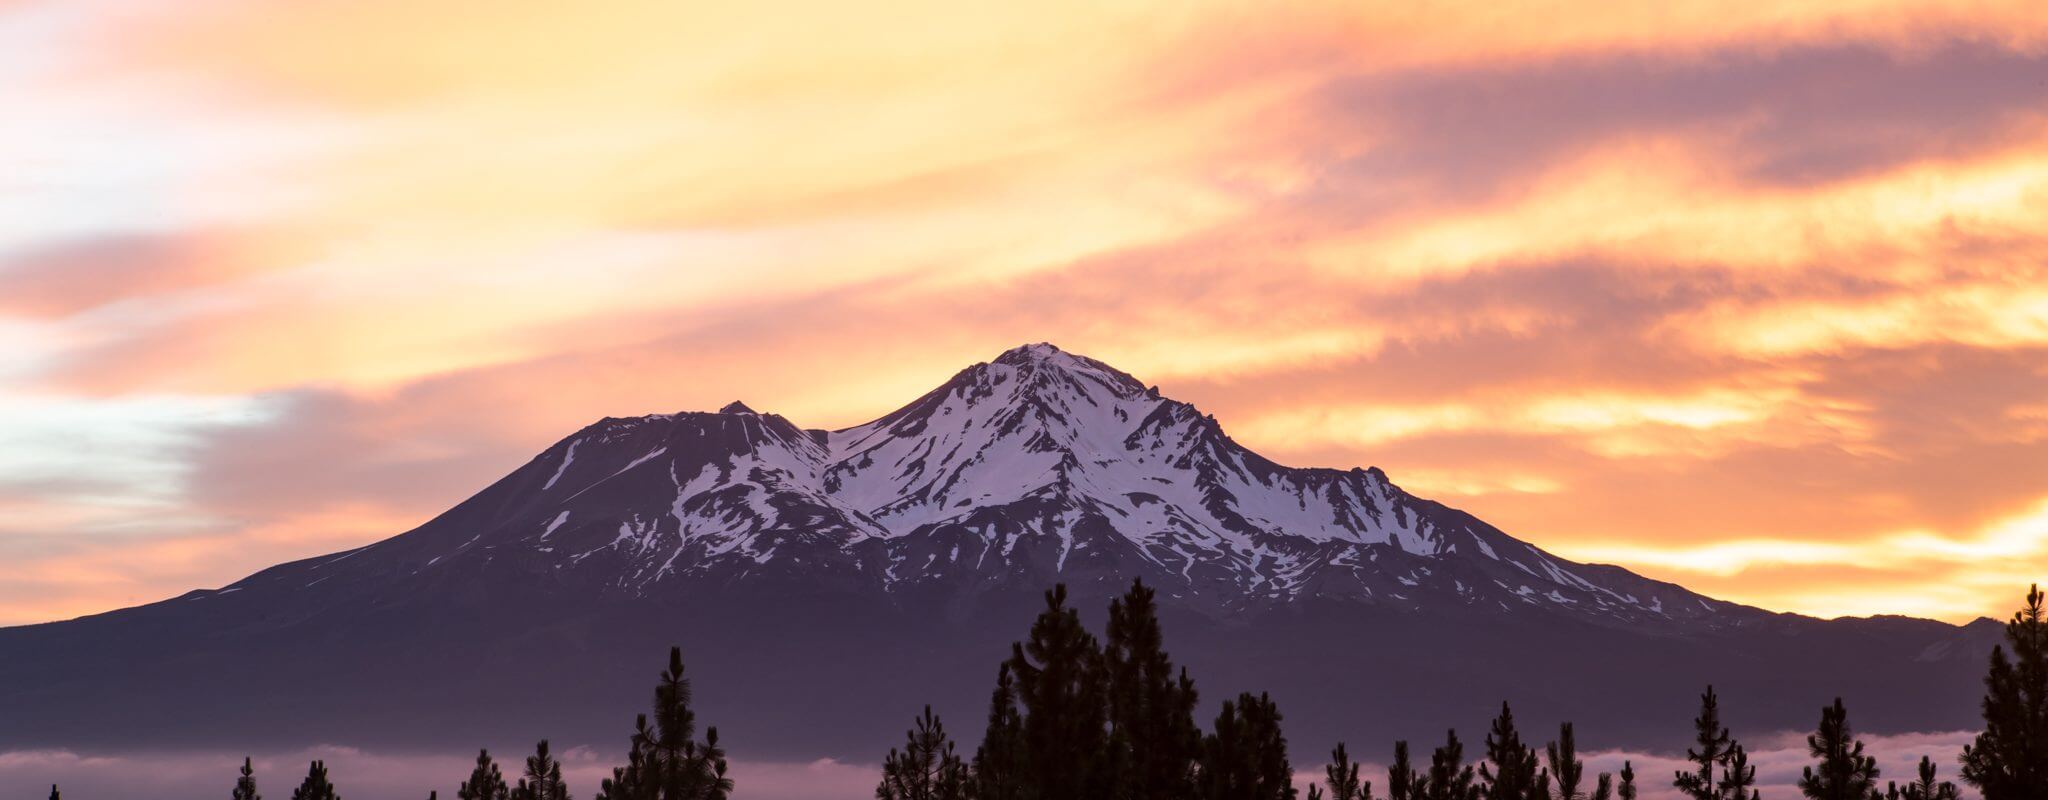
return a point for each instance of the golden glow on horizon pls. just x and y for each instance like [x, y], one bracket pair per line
[2008, 552]
[1768, 315]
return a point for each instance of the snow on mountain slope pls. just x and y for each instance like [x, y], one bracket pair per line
[1036, 467]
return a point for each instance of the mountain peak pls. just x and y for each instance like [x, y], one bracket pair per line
[1046, 360]
[1032, 353]
[737, 407]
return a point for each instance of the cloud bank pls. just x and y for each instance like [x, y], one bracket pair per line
[386, 776]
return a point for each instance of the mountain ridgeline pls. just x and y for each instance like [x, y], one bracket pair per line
[828, 579]
[1038, 467]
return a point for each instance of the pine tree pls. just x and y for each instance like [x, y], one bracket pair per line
[1273, 776]
[1844, 772]
[1712, 752]
[1059, 684]
[1603, 787]
[53, 793]
[998, 762]
[2009, 760]
[710, 763]
[1449, 777]
[1224, 770]
[316, 785]
[245, 786]
[1246, 757]
[1927, 788]
[1565, 766]
[926, 768]
[1342, 777]
[1627, 789]
[675, 728]
[1739, 778]
[665, 761]
[1510, 771]
[1401, 775]
[543, 779]
[485, 781]
[1151, 710]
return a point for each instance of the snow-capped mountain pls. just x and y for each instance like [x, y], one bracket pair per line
[1037, 467]
[826, 583]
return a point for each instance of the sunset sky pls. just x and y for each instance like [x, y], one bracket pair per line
[1754, 300]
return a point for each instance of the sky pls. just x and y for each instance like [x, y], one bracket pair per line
[1750, 299]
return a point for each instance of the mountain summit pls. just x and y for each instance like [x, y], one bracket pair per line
[1040, 466]
[823, 581]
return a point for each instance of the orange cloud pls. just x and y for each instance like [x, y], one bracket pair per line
[1668, 196]
[86, 577]
[1611, 424]
[1982, 314]
[1928, 573]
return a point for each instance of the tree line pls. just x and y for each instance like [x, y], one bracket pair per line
[1072, 717]
[1076, 719]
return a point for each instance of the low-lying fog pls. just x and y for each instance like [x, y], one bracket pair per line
[361, 775]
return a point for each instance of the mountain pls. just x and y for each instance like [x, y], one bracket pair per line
[826, 583]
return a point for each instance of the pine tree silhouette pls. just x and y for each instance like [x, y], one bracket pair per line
[1225, 768]
[2009, 759]
[1059, 683]
[675, 726]
[1449, 777]
[715, 784]
[1401, 776]
[485, 781]
[543, 779]
[666, 761]
[1510, 771]
[999, 761]
[1342, 777]
[1927, 788]
[1153, 736]
[316, 786]
[1712, 751]
[1739, 778]
[1273, 776]
[245, 786]
[1627, 789]
[1245, 758]
[1843, 772]
[1567, 769]
[926, 768]
[53, 793]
